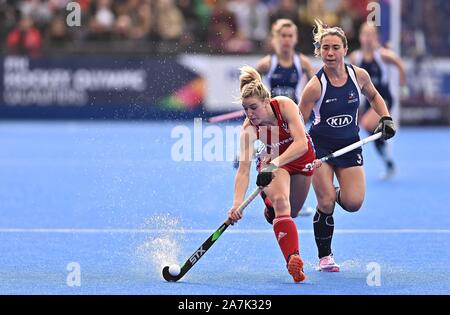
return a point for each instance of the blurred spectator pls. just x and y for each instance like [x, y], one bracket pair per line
[38, 10]
[197, 16]
[223, 33]
[192, 28]
[316, 9]
[287, 9]
[350, 20]
[25, 39]
[135, 20]
[57, 33]
[290, 9]
[359, 7]
[60, 5]
[8, 18]
[169, 20]
[102, 21]
[252, 17]
[310, 10]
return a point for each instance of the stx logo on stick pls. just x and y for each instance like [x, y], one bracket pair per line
[193, 259]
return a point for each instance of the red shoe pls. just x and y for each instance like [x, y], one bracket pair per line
[295, 268]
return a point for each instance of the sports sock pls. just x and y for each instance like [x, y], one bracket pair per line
[287, 235]
[382, 149]
[323, 232]
[380, 145]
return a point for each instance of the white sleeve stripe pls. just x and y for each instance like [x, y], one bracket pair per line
[352, 74]
[323, 79]
[300, 74]
[273, 65]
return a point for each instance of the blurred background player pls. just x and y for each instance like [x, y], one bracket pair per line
[376, 60]
[283, 70]
[334, 94]
[277, 123]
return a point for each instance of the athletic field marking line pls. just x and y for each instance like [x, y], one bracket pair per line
[207, 231]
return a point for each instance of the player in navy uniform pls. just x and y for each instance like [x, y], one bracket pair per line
[284, 69]
[376, 60]
[334, 94]
[277, 123]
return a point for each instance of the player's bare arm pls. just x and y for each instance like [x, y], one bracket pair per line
[263, 65]
[310, 96]
[307, 66]
[247, 138]
[391, 57]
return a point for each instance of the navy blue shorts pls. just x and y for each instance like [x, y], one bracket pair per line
[324, 146]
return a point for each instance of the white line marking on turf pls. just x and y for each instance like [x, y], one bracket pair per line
[207, 231]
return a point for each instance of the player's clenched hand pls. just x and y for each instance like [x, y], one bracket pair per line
[266, 175]
[234, 215]
[313, 165]
[317, 163]
[387, 127]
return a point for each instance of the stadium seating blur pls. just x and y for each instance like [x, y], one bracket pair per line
[220, 27]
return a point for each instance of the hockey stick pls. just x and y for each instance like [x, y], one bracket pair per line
[346, 149]
[195, 257]
[227, 116]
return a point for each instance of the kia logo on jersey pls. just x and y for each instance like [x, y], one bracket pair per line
[340, 121]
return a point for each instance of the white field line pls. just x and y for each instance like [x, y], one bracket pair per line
[208, 231]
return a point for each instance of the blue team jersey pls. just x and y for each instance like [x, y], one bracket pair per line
[336, 112]
[285, 81]
[379, 73]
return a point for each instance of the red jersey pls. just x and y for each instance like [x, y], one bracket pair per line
[279, 139]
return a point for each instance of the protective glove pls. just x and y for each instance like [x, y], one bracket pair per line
[266, 175]
[387, 128]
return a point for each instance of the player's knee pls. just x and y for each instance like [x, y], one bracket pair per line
[326, 205]
[353, 206]
[280, 203]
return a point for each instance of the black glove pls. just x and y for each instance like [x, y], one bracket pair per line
[266, 175]
[387, 128]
